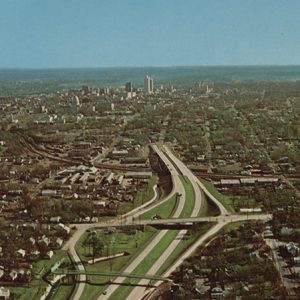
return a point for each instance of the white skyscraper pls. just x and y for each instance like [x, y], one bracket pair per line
[148, 84]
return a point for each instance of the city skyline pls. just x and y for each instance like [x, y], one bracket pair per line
[125, 33]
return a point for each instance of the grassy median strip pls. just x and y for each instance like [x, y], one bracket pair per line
[122, 242]
[226, 201]
[192, 236]
[123, 291]
[164, 210]
[189, 197]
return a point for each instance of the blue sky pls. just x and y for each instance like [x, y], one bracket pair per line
[102, 33]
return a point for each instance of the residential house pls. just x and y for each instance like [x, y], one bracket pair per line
[4, 293]
[62, 228]
[21, 253]
[34, 255]
[49, 254]
[217, 293]
[292, 248]
[56, 219]
[58, 242]
[44, 241]
[32, 241]
[13, 275]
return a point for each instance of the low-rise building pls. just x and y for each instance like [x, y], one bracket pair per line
[21, 253]
[138, 175]
[4, 293]
[63, 228]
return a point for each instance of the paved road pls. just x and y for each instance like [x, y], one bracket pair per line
[195, 180]
[187, 172]
[281, 267]
[177, 188]
[138, 291]
[81, 228]
[174, 220]
[70, 245]
[221, 220]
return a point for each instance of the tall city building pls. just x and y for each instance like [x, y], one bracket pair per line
[148, 84]
[85, 89]
[128, 87]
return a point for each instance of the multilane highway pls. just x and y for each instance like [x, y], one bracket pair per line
[176, 168]
[138, 291]
[177, 189]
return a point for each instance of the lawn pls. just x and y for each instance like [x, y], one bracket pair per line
[145, 194]
[231, 226]
[205, 209]
[225, 200]
[133, 244]
[43, 266]
[189, 197]
[208, 207]
[164, 210]
[123, 242]
[63, 292]
[145, 265]
[32, 291]
[36, 287]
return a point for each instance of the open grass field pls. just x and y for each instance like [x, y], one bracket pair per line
[225, 200]
[145, 265]
[164, 210]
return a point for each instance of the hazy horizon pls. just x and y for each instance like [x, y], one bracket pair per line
[146, 66]
[34, 81]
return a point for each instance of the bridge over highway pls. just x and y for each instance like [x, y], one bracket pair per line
[110, 274]
[134, 223]
[175, 167]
